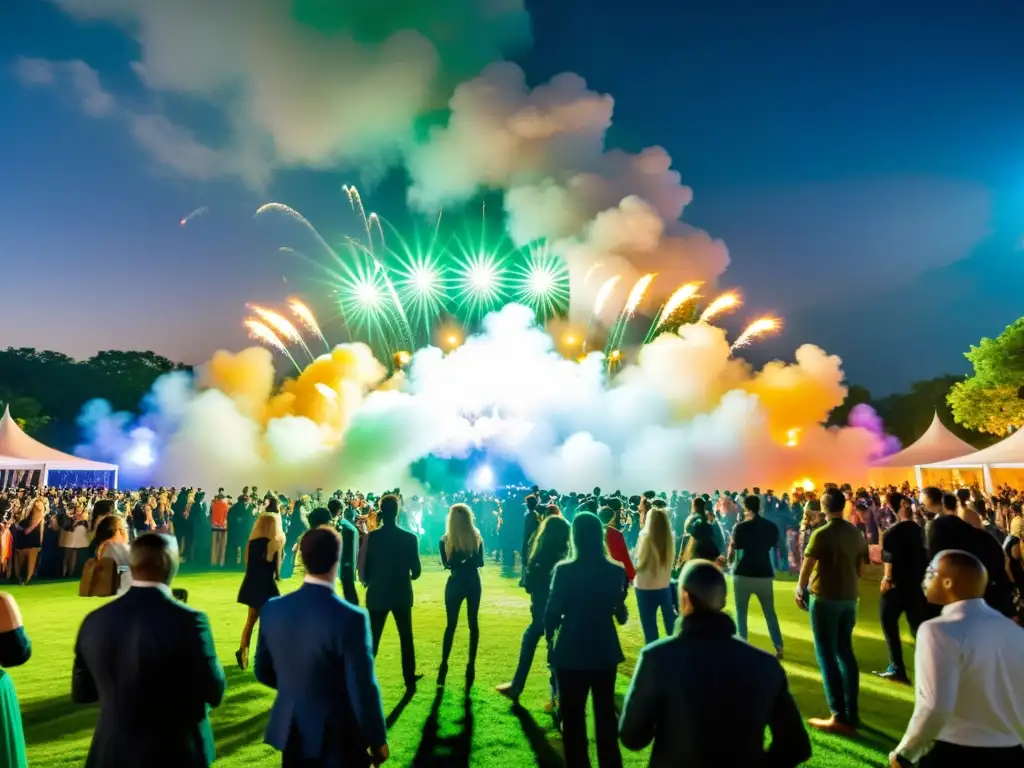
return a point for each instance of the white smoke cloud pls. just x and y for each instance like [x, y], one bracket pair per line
[685, 415]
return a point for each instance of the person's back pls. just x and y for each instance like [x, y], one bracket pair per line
[705, 697]
[754, 540]
[314, 648]
[145, 656]
[585, 600]
[392, 562]
[838, 547]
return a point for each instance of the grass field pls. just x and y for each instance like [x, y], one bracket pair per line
[446, 730]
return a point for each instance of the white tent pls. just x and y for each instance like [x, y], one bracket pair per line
[18, 451]
[1007, 455]
[936, 444]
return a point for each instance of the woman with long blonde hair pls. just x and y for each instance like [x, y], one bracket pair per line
[28, 539]
[462, 553]
[262, 571]
[655, 557]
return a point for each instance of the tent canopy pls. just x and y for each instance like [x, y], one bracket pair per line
[1006, 454]
[15, 445]
[936, 444]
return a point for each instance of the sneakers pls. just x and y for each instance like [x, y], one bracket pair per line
[893, 674]
[832, 725]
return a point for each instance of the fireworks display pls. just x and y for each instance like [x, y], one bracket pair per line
[398, 293]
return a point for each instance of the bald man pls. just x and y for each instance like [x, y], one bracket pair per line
[969, 664]
[147, 653]
[704, 680]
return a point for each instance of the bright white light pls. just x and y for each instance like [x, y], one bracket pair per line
[141, 455]
[326, 391]
[367, 294]
[481, 278]
[484, 477]
[541, 281]
[424, 279]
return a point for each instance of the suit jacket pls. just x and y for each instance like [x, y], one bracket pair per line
[315, 649]
[586, 600]
[392, 563]
[150, 663]
[707, 681]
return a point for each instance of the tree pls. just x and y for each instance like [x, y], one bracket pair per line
[989, 400]
[855, 395]
[27, 411]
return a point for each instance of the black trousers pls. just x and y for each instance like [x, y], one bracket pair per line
[900, 600]
[946, 755]
[403, 622]
[462, 588]
[573, 688]
[348, 590]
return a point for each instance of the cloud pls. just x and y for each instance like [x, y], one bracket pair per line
[80, 79]
[303, 84]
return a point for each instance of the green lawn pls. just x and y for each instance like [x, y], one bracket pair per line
[429, 730]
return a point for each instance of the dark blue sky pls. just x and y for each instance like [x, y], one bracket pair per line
[864, 165]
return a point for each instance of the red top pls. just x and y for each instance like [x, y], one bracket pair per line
[219, 514]
[619, 552]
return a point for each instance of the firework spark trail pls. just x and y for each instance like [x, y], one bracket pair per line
[305, 316]
[637, 294]
[289, 211]
[682, 295]
[261, 332]
[723, 303]
[374, 219]
[755, 330]
[282, 327]
[200, 211]
[356, 201]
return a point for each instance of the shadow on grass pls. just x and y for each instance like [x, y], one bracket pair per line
[396, 713]
[447, 751]
[56, 718]
[543, 750]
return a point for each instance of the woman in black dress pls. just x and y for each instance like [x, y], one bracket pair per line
[462, 553]
[262, 571]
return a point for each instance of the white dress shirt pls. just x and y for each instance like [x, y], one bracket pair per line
[969, 670]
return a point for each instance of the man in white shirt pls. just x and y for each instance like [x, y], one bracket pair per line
[969, 664]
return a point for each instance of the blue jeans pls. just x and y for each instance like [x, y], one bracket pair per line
[648, 601]
[764, 589]
[832, 623]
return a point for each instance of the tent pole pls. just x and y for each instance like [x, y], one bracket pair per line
[986, 473]
[919, 475]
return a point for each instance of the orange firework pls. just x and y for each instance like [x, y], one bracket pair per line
[637, 294]
[682, 295]
[755, 330]
[604, 292]
[722, 304]
[283, 328]
[305, 316]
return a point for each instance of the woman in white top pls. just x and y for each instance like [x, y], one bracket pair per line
[112, 543]
[655, 556]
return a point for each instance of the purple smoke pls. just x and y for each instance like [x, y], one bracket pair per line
[866, 417]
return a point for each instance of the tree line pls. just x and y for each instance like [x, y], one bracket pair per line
[46, 390]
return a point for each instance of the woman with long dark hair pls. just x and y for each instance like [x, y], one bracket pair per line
[587, 599]
[462, 553]
[550, 547]
[262, 571]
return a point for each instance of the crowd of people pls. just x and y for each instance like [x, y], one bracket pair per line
[951, 562]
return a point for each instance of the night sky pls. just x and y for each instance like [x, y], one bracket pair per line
[865, 167]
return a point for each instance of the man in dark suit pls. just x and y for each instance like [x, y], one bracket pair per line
[705, 681]
[349, 550]
[391, 565]
[146, 655]
[531, 522]
[315, 649]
